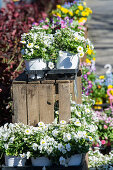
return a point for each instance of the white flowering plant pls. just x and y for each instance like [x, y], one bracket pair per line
[85, 115]
[12, 141]
[41, 43]
[71, 41]
[39, 142]
[38, 44]
[98, 161]
[70, 139]
[58, 142]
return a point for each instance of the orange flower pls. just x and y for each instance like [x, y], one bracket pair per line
[99, 86]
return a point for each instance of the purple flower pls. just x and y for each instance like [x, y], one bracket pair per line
[70, 21]
[87, 93]
[41, 21]
[66, 18]
[90, 86]
[85, 76]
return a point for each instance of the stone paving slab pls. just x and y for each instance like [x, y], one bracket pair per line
[100, 30]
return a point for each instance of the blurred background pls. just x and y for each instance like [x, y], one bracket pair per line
[100, 29]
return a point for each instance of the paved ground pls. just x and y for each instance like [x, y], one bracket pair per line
[101, 32]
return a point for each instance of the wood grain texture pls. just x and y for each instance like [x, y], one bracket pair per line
[19, 103]
[78, 98]
[85, 167]
[48, 82]
[72, 90]
[32, 104]
[64, 101]
[46, 102]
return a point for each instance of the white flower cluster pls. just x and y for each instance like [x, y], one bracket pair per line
[99, 161]
[54, 141]
[37, 44]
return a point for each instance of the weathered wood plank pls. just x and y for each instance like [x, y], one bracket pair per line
[85, 167]
[62, 81]
[72, 90]
[34, 82]
[19, 103]
[46, 102]
[64, 101]
[78, 98]
[48, 82]
[32, 104]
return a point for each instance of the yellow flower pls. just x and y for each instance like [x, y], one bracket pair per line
[98, 101]
[89, 51]
[84, 3]
[64, 10]
[94, 58]
[76, 12]
[87, 13]
[58, 14]
[111, 92]
[110, 86]
[58, 6]
[80, 7]
[53, 12]
[90, 11]
[82, 20]
[71, 13]
[101, 77]
[83, 13]
[76, 38]
[88, 61]
[106, 95]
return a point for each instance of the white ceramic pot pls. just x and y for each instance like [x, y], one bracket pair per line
[67, 60]
[75, 160]
[41, 161]
[35, 64]
[14, 161]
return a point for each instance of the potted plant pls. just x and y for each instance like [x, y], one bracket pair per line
[71, 45]
[45, 42]
[73, 140]
[13, 145]
[38, 49]
[40, 145]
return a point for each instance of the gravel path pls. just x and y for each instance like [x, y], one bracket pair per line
[100, 30]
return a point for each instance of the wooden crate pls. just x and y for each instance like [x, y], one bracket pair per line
[34, 101]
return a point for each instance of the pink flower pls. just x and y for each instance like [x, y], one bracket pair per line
[45, 27]
[81, 23]
[105, 127]
[80, 28]
[97, 145]
[35, 23]
[89, 82]
[63, 26]
[88, 73]
[44, 15]
[62, 22]
[103, 142]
